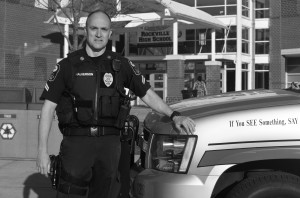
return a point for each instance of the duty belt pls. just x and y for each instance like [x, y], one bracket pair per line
[91, 131]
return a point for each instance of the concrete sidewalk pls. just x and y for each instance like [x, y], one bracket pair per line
[20, 179]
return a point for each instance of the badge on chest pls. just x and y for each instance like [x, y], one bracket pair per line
[108, 80]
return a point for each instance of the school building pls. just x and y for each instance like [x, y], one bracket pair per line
[233, 44]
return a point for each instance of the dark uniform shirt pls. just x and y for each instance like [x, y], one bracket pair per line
[61, 77]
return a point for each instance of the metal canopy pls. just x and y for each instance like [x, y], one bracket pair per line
[160, 10]
[192, 14]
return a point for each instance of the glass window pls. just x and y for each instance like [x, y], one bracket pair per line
[230, 83]
[154, 50]
[293, 69]
[245, 33]
[262, 48]
[262, 67]
[203, 48]
[262, 34]
[245, 3]
[231, 46]
[160, 93]
[293, 61]
[245, 47]
[210, 2]
[260, 14]
[203, 35]
[189, 3]
[219, 45]
[215, 11]
[133, 50]
[229, 64]
[262, 80]
[187, 47]
[220, 34]
[244, 66]
[189, 80]
[262, 9]
[262, 4]
[190, 34]
[158, 84]
[207, 33]
[231, 10]
[244, 80]
[189, 67]
[232, 32]
[230, 2]
[151, 67]
[245, 11]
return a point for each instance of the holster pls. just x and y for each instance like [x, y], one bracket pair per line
[55, 168]
[122, 116]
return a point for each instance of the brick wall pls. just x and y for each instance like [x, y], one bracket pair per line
[28, 46]
[175, 82]
[284, 34]
[290, 23]
[275, 45]
[213, 77]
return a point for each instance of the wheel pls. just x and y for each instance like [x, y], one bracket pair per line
[267, 185]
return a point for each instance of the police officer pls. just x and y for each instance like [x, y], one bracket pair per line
[87, 91]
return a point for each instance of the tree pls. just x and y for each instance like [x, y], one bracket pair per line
[74, 10]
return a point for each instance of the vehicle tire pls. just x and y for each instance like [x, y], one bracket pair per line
[267, 185]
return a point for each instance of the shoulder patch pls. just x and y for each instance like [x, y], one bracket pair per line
[54, 72]
[135, 70]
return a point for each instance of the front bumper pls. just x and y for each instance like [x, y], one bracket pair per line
[151, 183]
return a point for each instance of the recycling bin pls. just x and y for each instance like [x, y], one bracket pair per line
[13, 130]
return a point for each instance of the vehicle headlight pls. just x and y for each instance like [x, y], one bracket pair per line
[171, 153]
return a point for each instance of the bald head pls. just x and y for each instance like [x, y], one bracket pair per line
[100, 13]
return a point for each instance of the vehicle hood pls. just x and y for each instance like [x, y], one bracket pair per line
[218, 104]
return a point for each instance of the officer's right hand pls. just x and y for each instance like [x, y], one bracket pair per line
[43, 163]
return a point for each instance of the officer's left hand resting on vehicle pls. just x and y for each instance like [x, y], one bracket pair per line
[184, 125]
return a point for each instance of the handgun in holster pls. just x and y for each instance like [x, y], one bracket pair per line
[55, 168]
[122, 116]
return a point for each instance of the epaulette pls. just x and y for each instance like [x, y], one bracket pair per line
[114, 55]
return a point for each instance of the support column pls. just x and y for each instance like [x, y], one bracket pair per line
[238, 62]
[175, 38]
[251, 65]
[66, 44]
[213, 45]
[175, 73]
[213, 69]
[113, 40]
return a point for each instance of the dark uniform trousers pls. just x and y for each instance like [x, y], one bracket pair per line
[93, 159]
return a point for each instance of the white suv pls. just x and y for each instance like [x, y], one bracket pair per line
[246, 145]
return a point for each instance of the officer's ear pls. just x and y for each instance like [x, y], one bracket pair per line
[110, 33]
[85, 30]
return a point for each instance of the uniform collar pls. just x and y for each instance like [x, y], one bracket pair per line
[83, 56]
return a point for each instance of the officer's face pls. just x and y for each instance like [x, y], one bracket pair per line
[98, 31]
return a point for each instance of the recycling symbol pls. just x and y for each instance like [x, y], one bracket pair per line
[7, 131]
